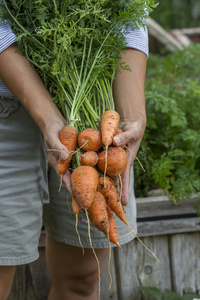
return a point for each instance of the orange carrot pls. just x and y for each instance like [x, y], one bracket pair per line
[98, 213]
[90, 139]
[113, 232]
[109, 124]
[110, 193]
[68, 137]
[84, 181]
[89, 158]
[75, 206]
[113, 161]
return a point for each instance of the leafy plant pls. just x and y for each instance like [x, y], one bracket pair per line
[170, 148]
[167, 295]
[75, 47]
[177, 14]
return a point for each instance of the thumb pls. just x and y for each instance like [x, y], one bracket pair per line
[122, 138]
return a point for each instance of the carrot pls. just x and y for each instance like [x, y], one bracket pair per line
[84, 181]
[112, 162]
[109, 124]
[98, 213]
[110, 193]
[90, 139]
[75, 206]
[68, 137]
[109, 190]
[113, 232]
[76, 210]
[89, 158]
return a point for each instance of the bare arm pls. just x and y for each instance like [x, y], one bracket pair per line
[129, 98]
[25, 84]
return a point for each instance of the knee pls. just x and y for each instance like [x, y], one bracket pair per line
[86, 284]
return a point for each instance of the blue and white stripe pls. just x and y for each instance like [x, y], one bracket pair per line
[137, 39]
[7, 37]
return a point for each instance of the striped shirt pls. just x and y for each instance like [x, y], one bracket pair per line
[137, 39]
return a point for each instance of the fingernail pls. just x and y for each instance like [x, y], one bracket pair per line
[117, 140]
[64, 155]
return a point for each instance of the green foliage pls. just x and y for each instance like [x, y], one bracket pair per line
[170, 148]
[167, 295]
[75, 47]
[177, 14]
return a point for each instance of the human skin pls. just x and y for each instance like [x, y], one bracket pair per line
[129, 98]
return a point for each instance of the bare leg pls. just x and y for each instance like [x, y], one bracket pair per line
[74, 276]
[6, 279]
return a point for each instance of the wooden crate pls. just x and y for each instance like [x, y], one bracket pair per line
[171, 231]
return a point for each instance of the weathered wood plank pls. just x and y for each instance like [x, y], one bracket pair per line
[164, 206]
[160, 227]
[185, 262]
[137, 267]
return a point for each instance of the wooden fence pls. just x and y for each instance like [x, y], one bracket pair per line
[171, 231]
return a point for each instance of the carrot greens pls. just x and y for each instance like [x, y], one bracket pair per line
[75, 46]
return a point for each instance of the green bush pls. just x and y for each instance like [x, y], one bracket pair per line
[167, 295]
[177, 14]
[170, 150]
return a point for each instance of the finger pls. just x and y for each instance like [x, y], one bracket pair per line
[125, 188]
[57, 150]
[126, 179]
[125, 185]
[122, 138]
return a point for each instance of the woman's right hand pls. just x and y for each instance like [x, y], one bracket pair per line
[55, 149]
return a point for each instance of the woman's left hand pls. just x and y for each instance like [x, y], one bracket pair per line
[131, 137]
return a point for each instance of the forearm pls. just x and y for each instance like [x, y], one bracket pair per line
[26, 85]
[128, 87]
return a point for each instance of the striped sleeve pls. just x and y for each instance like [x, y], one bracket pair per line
[7, 37]
[138, 39]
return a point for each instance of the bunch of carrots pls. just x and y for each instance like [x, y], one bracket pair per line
[93, 182]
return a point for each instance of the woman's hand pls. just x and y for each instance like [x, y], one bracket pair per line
[131, 138]
[55, 149]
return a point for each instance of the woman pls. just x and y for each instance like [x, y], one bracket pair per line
[28, 117]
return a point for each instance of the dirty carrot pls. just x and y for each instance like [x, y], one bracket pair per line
[109, 190]
[98, 213]
[84, 181]
[89, 158]
[90, 139]
[68, 137]
[113, 161]
[109, 124]
[110, 193]
[113, 232]
[76, 210]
